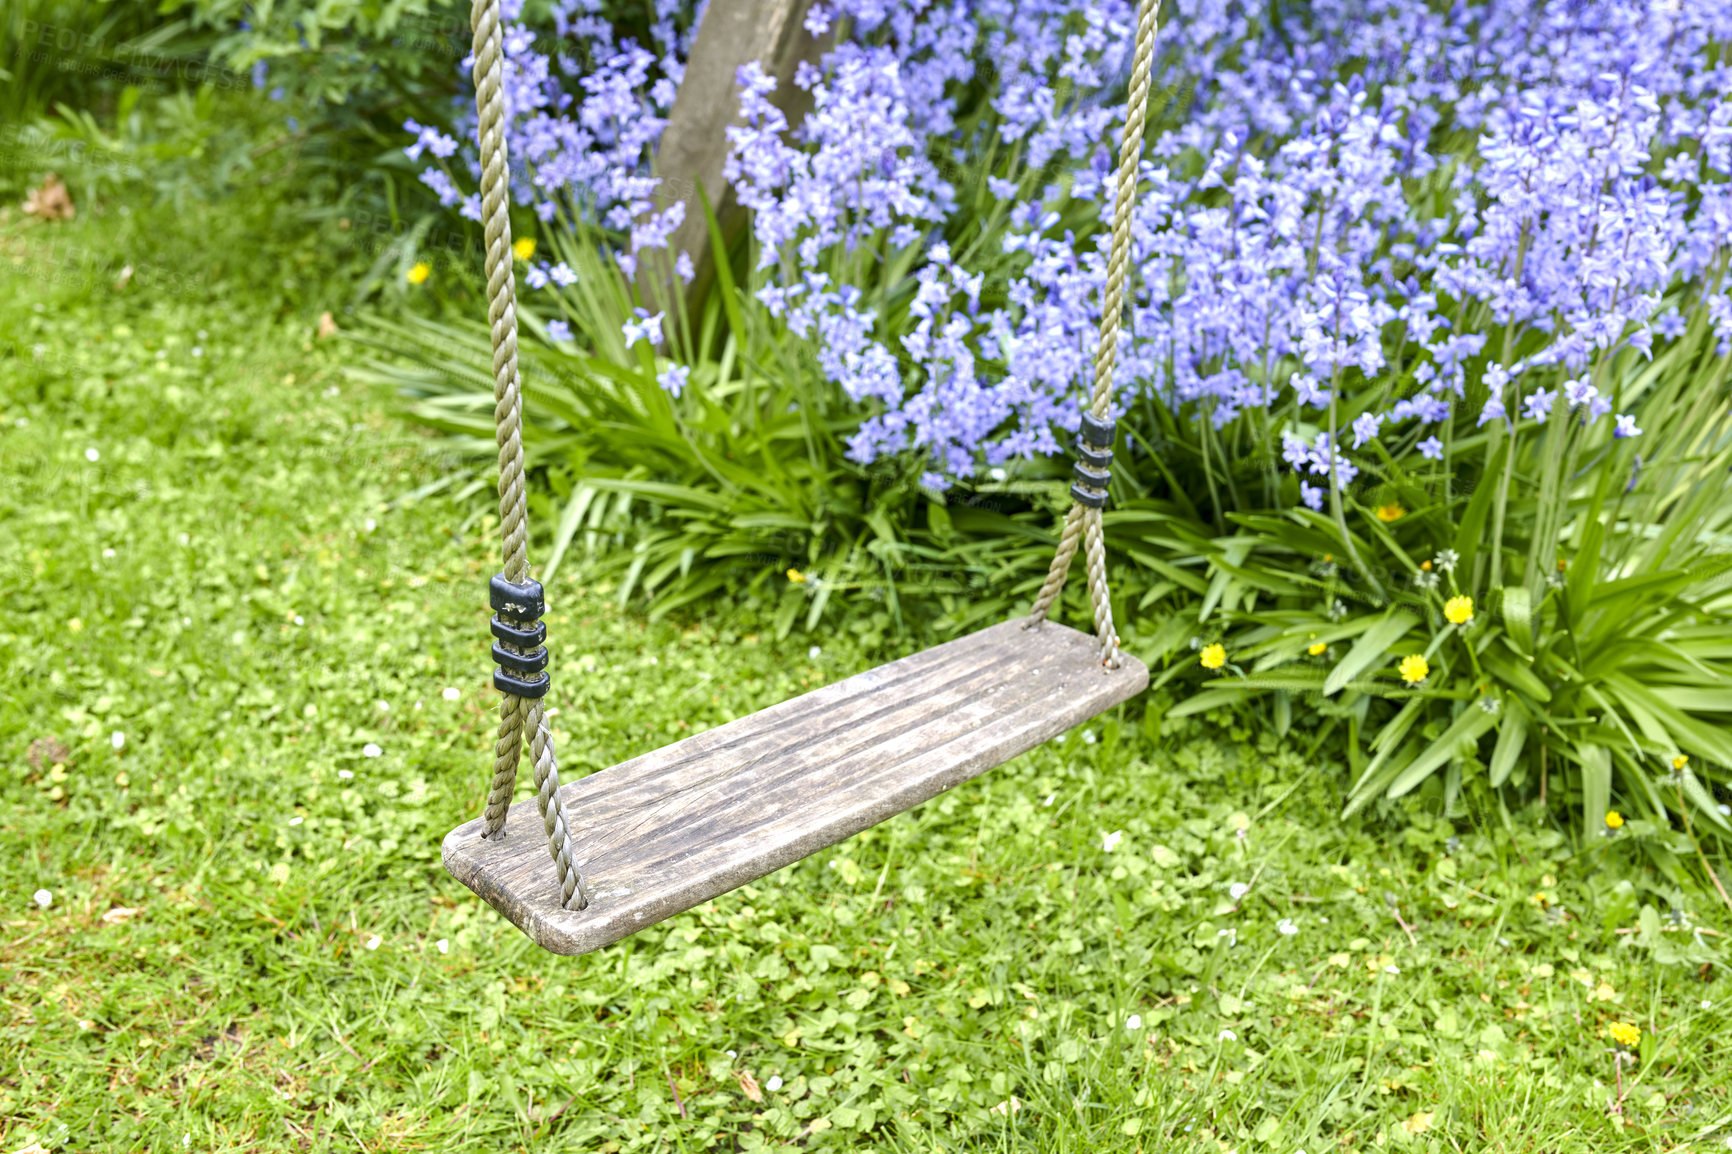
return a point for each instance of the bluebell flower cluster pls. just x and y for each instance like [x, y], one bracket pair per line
[1360, 224]
[582, 122]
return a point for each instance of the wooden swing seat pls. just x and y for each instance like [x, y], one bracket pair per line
[672, 829]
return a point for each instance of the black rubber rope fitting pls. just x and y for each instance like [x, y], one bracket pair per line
[1097, 431]
[1087, 499]
[518, 687]
[1098, 458]
[532, 661]
[1093, 478]
[513, 634]
[521, 601]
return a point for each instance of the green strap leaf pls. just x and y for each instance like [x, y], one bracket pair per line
[1392, 734]
[1596, 785]
[1390, 740]
[1693, 734]
[1370, 787]
[724, 274]
[1696, 792]
[1472, 531]
[1515, 672]
[1518, 617]
[1223, 581]
[1696, 698]
[569, 519]
[1583, 571]
[1512, 735]
[1298, 681]
[1468, 727]
[1206, 700]
[1369, 648]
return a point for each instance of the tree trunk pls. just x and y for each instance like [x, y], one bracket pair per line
[695, 143]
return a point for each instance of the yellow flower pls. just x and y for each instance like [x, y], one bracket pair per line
[419, 273]
[524, 249]
[1625, 1034]
[1414, 669]
[1390, 512]
[1459, 610]
[1425, 565]
[1680, 761]
[1614, 819]
[1214, 656]
[75, 625]
[1317, 648]
[796, 577]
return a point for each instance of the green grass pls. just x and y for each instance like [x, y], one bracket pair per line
[242, 951]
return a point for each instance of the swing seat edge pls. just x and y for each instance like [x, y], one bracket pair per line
[680, 825]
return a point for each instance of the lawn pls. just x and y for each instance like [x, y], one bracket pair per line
[244, 692]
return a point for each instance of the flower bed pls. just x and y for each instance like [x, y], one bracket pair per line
[1423, 381]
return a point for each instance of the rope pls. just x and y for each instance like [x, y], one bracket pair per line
[515, 713]
[1084, 522]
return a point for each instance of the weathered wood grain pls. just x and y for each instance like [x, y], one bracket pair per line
[676, 827]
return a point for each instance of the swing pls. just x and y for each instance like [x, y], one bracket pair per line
[644, 840]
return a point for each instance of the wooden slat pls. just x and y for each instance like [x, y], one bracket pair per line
[674, 828]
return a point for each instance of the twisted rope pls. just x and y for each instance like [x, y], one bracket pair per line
[1083, 523]
[515, 713]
